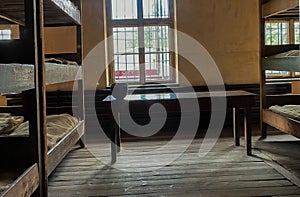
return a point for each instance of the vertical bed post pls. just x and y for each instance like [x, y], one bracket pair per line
[80, 82]
[40, 88]
[263, 127]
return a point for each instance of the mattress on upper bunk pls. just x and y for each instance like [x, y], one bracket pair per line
[291, 111]
[292, 53]
[57, 127]
[287, 61]
[15, 78]
[55, 11]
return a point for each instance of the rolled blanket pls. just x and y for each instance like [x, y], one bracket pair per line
[8, 123]
[57, 127]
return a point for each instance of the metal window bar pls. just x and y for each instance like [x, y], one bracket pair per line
[297, 32]
[126, 57]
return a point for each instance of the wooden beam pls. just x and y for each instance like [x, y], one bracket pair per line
[276, 6]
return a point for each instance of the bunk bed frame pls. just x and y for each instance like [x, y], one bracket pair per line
[279, 121]
[28, 162]
[270, 60]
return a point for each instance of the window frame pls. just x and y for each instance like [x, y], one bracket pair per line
[294, 30]
[140, 23]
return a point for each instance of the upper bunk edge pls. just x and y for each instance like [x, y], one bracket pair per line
[55, 12]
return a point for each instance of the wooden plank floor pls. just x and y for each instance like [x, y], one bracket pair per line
[225, 171]
[284, 150]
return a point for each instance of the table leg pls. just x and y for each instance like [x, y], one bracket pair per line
[248, 131]
[118, 135]
[236, 126]
[113, 145]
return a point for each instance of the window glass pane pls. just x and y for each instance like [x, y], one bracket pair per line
[5, 34]
[156, 39]
[126, 54]
[297, 33]
[276, 33]
[127, 68]
[157, 58]
[125, 40]
[124, 9]
[157, 67]
[156, 8]
[6, 31]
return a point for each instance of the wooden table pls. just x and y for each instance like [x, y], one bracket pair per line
[236, 100]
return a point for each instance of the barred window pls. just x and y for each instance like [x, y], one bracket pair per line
[142, 40]
[277, 33]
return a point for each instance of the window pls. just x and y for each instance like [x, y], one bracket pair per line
[5, 34]
[297, 32]
[142, 40]
[277, 33]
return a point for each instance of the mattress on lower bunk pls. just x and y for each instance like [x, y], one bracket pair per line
[57, 127]
[291, 111]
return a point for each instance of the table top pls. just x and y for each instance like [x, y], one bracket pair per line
[183, 95]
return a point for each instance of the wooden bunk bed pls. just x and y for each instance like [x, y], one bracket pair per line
[279, 58]
[276, 109]
[28, 161]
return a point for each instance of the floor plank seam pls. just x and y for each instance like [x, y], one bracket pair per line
[279, 168]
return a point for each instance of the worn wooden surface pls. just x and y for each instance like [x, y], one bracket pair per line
[61, 149]
[281, 122]
[284, 150]
[24, 185]
[296, 87]
[225, 171]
